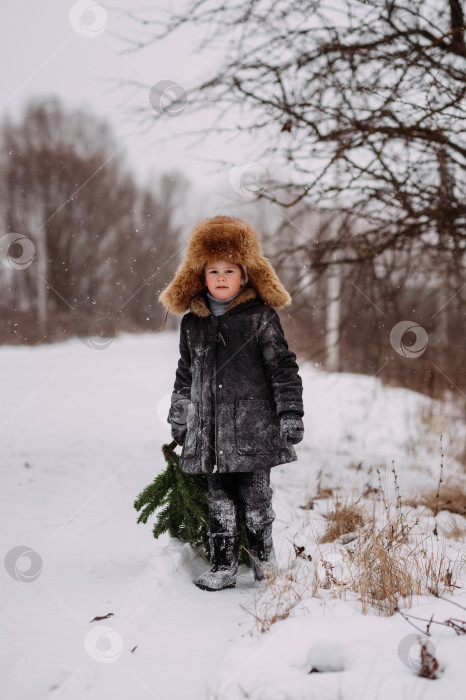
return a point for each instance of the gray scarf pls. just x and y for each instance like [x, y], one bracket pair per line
[218, 306]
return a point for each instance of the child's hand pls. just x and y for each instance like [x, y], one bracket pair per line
[291, 427]
[178, 413]
[179, 434]
[177, 417]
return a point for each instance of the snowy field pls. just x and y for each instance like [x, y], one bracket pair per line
[81, 432]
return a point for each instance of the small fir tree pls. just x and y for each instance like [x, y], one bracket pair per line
[183, 500]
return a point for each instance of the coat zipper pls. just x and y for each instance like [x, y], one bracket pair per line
[215, 469]
[222, 339]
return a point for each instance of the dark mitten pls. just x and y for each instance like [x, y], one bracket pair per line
[179, 434]
[177, 417]
[291, 427]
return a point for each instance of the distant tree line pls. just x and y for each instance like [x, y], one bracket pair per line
[345, 318]
[91, 249]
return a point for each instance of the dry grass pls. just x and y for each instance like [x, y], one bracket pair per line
[445, 420]
[378, 571]
[435, 572]
[387, 566]
[390, 564]
[453, 531]
[450, 497]
[322, 491]
[344, 520]
[281, 593]
[390, 559]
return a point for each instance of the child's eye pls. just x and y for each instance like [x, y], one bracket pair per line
[214, 272]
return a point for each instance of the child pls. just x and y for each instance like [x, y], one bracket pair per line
[236, 406]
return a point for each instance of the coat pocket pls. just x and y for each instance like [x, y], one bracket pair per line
[257, 429]
[192, 431]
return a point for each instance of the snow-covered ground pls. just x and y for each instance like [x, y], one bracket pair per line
[81, 430]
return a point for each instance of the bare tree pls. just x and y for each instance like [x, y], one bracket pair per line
[153, 250]
[97, 237]
[373, 88]
[360, 108]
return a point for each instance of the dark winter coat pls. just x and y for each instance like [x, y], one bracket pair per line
[256, 381]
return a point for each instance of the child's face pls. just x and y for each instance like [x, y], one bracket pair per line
[223, 278]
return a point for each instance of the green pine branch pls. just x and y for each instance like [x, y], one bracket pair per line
[184, 512]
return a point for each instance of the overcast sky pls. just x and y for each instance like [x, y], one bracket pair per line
[42, 54]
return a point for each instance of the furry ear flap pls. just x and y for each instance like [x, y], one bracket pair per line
[264, 278]
[184, 286]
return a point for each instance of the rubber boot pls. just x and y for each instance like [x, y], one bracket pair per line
[225, 552]
[262, 554]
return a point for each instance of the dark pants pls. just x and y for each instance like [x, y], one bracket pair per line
[249, 492]
[227, 494]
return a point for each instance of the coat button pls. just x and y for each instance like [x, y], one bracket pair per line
[221, 452]
[220, 386]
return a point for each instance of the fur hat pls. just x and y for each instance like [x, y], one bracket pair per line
[223, 237]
